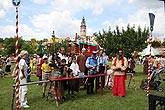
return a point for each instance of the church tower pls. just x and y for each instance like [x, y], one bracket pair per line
[83, 29]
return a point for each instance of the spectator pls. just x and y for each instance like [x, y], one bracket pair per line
[39, 71]
[81, 59]
[46, 73]
[8, 63]
[132, 64]
[119, 66]
[62, 54]
[1, 62]
[75, 71]
[102, 63]
[145, 66]
[91, 64]
[23, 67]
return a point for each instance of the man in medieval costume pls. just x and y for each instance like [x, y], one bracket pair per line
[119, 66]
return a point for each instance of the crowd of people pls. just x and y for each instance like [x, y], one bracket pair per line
[61, 65]
[67, 65]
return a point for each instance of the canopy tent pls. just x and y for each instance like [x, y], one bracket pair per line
[146, 51]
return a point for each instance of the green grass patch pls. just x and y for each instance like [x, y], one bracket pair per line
[134, 100]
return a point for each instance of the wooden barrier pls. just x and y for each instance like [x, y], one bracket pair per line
[37, 82]
[57, 90]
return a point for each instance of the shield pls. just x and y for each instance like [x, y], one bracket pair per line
[146, 51]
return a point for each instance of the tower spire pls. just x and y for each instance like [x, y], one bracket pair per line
[83, 29]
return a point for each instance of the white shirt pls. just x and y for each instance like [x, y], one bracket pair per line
[63, 57]
[75, 68]
[8, 61]
[22, 62]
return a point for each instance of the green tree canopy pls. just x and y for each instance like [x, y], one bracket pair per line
[1, 40]
[128, 40]
[156, 44]
[163, 44]
[9, 45]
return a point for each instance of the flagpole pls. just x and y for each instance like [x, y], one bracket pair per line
[16, 48]
[16, 3]
[149, 65]
[151, 17]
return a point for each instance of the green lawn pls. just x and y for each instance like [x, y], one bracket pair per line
[134, 100]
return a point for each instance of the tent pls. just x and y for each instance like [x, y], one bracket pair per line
[146, 51]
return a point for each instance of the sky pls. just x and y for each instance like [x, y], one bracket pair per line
[38, 18]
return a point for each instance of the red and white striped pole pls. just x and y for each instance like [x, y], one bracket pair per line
[16, 3]
[151, 17]
[149, 65]
[16, 52]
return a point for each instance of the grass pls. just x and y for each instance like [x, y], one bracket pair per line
[134, 100]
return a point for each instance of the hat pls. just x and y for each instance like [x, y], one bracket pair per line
[23, 52]
[94, 52]
[45, 57]
[83, 49]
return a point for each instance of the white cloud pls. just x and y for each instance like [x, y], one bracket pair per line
[73, 6]
[5, 7]
[23, 30]
[131, 1]
[141, 18]
[63, 19]
[2, 14]
[149, 4]
[61, 22]
[40, 1]
[98, 7]
[7, 31]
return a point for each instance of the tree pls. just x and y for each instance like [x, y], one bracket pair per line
[163, 44]
[156, 44]
[9, 45]
[128, 40]
[55, 47]
[1, 40]
[29, 47]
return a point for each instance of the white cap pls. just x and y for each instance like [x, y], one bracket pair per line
[83, 49]
[23, 52]
[44, 57]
